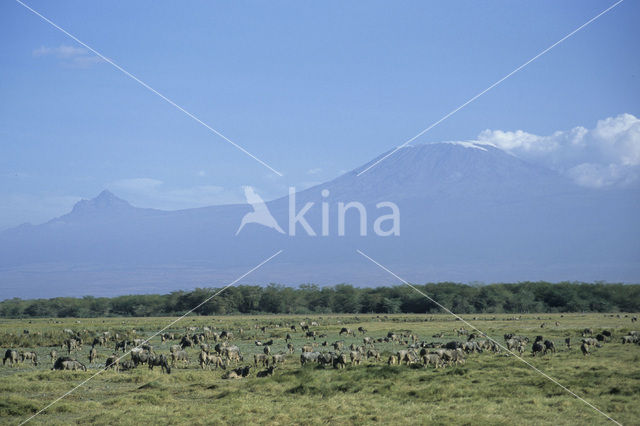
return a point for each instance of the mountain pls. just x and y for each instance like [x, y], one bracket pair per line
[468, 212]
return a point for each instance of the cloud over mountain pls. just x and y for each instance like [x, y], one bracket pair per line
[606, 155]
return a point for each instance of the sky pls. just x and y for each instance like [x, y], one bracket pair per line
[312, 89]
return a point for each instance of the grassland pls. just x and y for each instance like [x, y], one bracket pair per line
[488, 389]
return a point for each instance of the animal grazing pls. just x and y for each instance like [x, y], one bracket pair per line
[159, 361]
[10, 355]
[66, 363]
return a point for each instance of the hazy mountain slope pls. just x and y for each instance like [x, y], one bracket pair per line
[468, 212]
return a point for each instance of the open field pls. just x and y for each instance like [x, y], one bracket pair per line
[489, 388]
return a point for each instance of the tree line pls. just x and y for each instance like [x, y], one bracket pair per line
[524, 297]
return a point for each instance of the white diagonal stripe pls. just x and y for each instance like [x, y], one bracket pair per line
[490, 87]
[151, 89]
[537, 370]
[155, 334]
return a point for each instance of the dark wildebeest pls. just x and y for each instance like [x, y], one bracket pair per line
[587, 332]
[584, 347]
[311, 334]
[121, 345]
[340, 361]
[362, 330]
[267, 372]
[185, 342]
[159, 361]
[112, 361]
[10, 355]
[549, 346]
[568, 342]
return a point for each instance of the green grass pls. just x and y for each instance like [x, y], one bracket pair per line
[488, 389]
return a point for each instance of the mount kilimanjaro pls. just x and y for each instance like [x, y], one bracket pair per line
[468, 212]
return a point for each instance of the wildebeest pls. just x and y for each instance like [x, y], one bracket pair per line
[238, 373]
[159, 361]
[311, 334]
[307, 348]
[206, 359]
[232, 353]
[406, 356]
[340, 361]
[262, 359]
[267, 372]
[584, 347]
[140, 356]
[362, 330]
[372, 353]
[53, 354]
[549, 346]
[278, 359]
[112, 361]
[266, 350]
[356, 357]
[568, 342]
[29, 356]
[93, 354]
[326, 358]
[432, 359]
[121, 345]
[10, 355]
[290, 348]
[179, 356]
[338, 345]
[587, 332]
[66, 363]
[186, 342]
[307, 357]
[346, 331]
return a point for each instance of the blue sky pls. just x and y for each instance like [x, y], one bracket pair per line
[314, 89]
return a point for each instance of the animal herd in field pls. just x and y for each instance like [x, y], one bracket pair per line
[216, 350]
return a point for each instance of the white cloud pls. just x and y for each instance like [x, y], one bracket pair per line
[69, 55]
[314, 171]
[149, 192]
[607, 155]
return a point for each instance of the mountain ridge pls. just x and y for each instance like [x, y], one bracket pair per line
[467, 213]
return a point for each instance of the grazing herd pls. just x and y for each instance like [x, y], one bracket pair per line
[220, 350]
